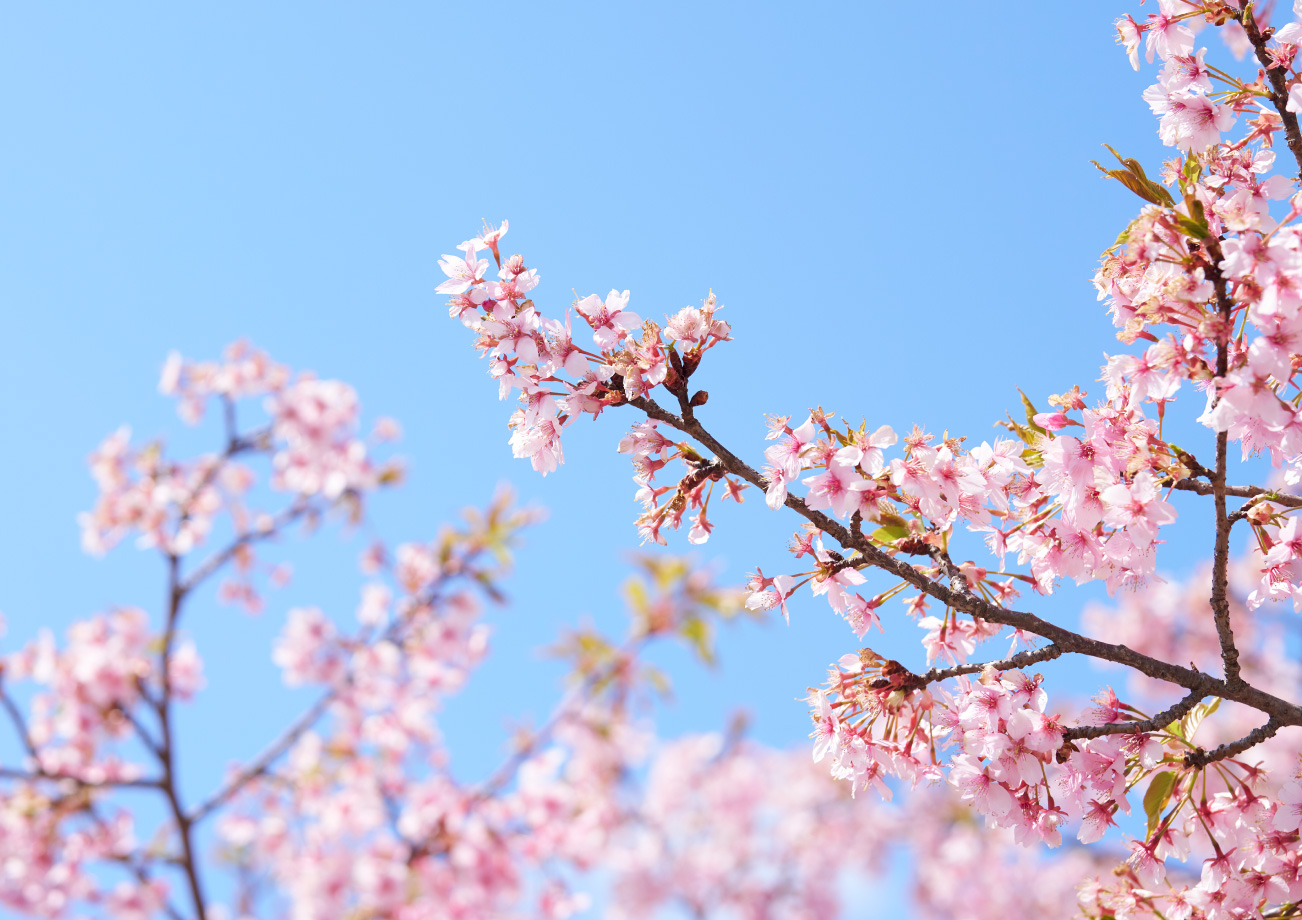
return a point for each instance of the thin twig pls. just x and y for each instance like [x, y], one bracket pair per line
[1278, 78]
[908, 680]
[20, 724]
[1253, 492]
[1220, 598]
[167, 747]
[137, 864]
[1072, 642]
[1201, 758]
[262, 763]
[214, 562]
[1155, 724]
[39, 775]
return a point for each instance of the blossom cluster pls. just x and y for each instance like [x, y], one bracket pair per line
[312, 437]
[1204, 289]
[354, 809]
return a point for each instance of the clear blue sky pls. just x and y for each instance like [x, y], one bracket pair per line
[896, 207]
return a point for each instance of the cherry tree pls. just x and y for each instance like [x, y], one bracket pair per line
[1204, 289]
[354, 810]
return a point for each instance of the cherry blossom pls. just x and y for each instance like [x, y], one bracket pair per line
[1204, 290]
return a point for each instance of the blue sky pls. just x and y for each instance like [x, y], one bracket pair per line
[897, 210]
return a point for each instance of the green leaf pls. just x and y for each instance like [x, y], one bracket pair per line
[1194, 717]
[658, 680]
[689, 453]
[1027, 437]
[698, 635]
[1134, 178]
[1198, 230]
[1156, 798]
[1122, 239]
[890, 533]
[635, 595]
[1031, 413]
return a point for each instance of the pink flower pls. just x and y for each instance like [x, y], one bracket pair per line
[977, 788]
[767, 593]
[1137, 507]
[701, 529]
[840, 488]
[610, 322]
[1150, 870]
[306, 649]
[489, 239]
[1288, 814]
[873, 460]
[827, 728]
[1128, 35]
[462, 273]
[1097, 820]
[185, 671]
[1166, 34]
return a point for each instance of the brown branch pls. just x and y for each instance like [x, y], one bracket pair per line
[1012, 663]
[141, 732]
[1251, 492]
[955, 575]
[167, 748]
[1070, 642]
[1220, 599]
[1201, 758]
[262, 763]
[1155, 724]
[137, 864]
[19, 723]
[139, 869]
[214, 562]
[38, 775]
[503, 775]
[1278, 78]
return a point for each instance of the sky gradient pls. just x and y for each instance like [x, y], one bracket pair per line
[897, 210]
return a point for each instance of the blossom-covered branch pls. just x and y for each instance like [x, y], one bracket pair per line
[1204, 288]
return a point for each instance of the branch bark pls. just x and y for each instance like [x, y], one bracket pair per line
[262, 763]
[1278, 85]
[1201, 758]
[167, 748]
[1156, 723]
[1013, 662]
[1220, 599]
[1252, 492]
[1284, 712]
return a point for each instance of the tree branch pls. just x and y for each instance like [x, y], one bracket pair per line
[1253, 492]
[1191, 679]
[262, 763]
[20, 724]
[167, 748]
[1201, 758]
[1155, 724]
[138, 866]
[38, 775]
[214, 562]
[1220, 599]
[1278, 83]
[1012, 663]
